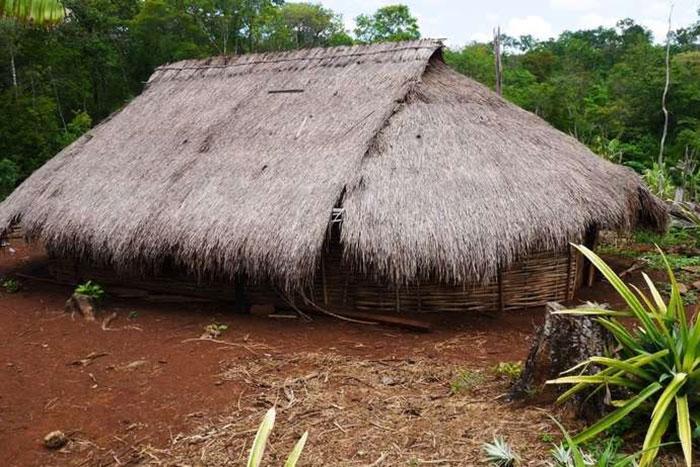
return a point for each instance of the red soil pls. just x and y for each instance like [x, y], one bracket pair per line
[151, 385]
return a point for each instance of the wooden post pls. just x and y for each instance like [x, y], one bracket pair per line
[323, 280]
[345, 288]
[569, 286]
[420, 306]
[590, 241]
[497, 55]
[501, 300]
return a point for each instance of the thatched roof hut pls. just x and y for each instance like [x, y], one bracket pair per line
[234, 165]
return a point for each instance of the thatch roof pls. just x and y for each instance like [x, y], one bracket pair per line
[233, 165]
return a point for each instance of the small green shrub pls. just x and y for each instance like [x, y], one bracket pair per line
[500, 453]
[12, 286]
[466, 380]
[676, 236]
[608, 249]
[676, 262]
[511, 370]
[606, 454]
[91, 289]
[214, 330]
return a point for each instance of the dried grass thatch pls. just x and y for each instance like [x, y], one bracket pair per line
[461, 183]
[232, 165]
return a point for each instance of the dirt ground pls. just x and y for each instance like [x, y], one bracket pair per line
[146, 391]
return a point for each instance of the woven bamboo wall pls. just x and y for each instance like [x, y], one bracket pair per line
[540, 278]
[532, 282]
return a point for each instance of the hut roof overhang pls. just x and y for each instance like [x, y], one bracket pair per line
[233, 165]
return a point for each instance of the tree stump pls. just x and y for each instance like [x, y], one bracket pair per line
[562, 342]
[83, 304]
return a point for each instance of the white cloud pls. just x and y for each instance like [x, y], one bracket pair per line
[533, 25]
[657, 10]
[481, 37]
[658, 28]
[574, 5]
[593, 20]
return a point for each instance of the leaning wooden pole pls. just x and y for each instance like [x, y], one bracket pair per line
[665, 94]
[497, 56]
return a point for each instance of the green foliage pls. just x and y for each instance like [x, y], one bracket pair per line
[12, 286]
[80, 124]
[676, 262]
[674, 237]
[659, 181]
[604, 87]
[657, 368]
[258, 449]
[390, 23]
[500, 453]
[214, 330]
[465, 380]
[603, 454]
[91, 289]
[9, 174]
[39, 12]
[311, 25]
[511, 370]
[474, 60]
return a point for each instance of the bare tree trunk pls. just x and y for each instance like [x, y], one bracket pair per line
[58, 100]
[663, 98]
[562, 342]
[14, 70]
[497, 54]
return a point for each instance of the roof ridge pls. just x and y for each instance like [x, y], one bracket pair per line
[302, 55]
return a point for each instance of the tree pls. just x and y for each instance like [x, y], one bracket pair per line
[390, 23]
[311, 25]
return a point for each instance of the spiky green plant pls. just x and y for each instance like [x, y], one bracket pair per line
[500, 453]
[570, 454]
[690, 214]
[658, 363]
[12, 286]
[91, 289]
[264, 430]
[39, 12]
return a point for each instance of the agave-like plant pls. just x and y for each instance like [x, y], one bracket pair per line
[658, 363]
[40, 12]
[500, 453]
[569, 454]
[260, 441]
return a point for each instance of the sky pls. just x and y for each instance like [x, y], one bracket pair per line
[464, 21]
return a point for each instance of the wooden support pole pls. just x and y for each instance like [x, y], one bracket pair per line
[569, 286]
[323, 281]
[501, 299]
[420, 307]
[345, 288]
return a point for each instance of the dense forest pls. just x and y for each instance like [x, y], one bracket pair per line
[604, 86]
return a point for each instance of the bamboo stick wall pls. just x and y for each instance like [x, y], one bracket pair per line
[538, 279]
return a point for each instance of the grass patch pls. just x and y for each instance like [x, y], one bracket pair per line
[466, 380]
[677, 262]
[674, 237]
